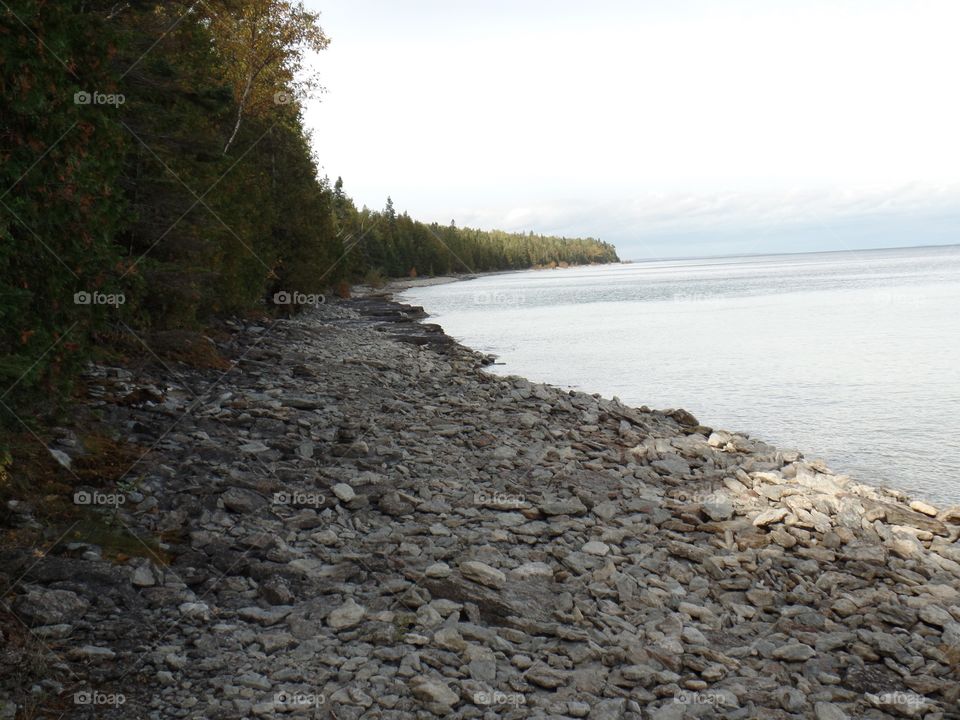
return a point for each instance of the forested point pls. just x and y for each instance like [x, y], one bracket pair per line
[155, 173]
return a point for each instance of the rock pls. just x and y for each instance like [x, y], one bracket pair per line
[483, 574]
[573, 506]
[346, 616]
[791, 700]
[532, 570]
[42, 606]
[438, 570]
[596, 548]
[344, 492]
[195, 610]
[935, 615]
[269, 616]
[434, 691]
[482, 664]
[276, 591]
[253, 680]
[672, 465]
[239, 500]
[925, 508]
[61, 457]
[544, 676]
[794, 652]
[487, 543]
[717, 507]
[950, 515]
[769, 517]
[609, 709]
[142, 576]
[828, 711]
[92, 653]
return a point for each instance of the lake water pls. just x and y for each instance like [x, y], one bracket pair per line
[853, 357]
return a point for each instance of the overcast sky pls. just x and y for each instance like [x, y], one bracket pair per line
[668, 127]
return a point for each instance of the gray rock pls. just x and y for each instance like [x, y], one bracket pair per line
[717, 507]
[43, 606]
[483, 574]
[346, 616]
[794, 652]
[434, 691]
[572, 506]
[828, 711]
[240, 500]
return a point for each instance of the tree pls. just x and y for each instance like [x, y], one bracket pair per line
[263, 44]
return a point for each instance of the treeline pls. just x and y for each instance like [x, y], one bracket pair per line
[155, 171]
[396, 245]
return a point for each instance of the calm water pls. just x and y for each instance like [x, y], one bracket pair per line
[853, 357]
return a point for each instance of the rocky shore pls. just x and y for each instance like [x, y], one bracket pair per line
[357, 521]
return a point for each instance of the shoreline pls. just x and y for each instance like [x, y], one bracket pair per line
[361, 518]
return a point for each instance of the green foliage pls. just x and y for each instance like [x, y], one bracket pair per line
[59, 201]
[396, 244]
[192, 193]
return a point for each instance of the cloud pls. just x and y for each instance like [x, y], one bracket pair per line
[652, 219]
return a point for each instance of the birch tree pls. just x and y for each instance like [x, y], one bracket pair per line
[263, 45]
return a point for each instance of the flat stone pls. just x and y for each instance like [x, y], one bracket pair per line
[828, 711]
[93, 653]
[925, 508]
[273, 641]
[717, 507]
[240, 500]
[268, 616]
[483, 574]
[935, 615]
[544, 676]
[532, 570]
[254, 680]
[346, 616]
[594, 547]
[771, 516]
[344, 492]
[438, 570]
[433, 691]
[794, 652]
[573, 506]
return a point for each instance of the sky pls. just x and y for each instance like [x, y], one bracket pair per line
[671, 128]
